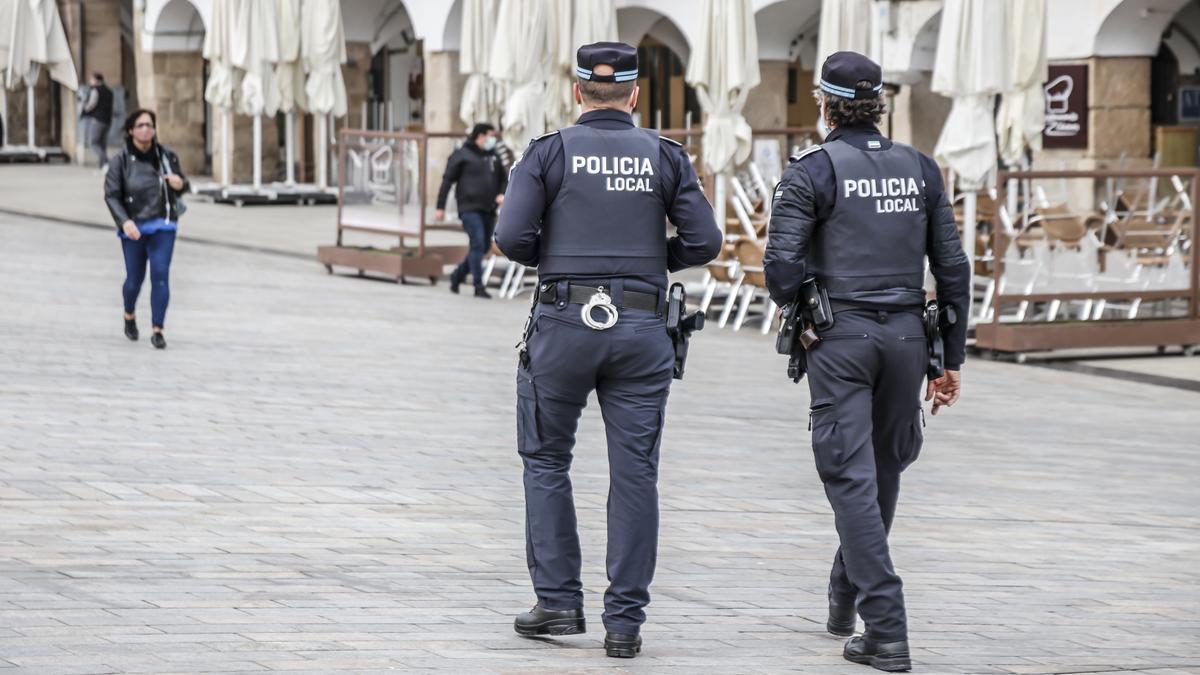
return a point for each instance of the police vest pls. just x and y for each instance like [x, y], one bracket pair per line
[609, 216]
[875, 236]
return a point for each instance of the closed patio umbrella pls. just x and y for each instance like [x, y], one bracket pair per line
[32, 36]
[218, 50]
[520, 61]
[289, 78]
[1022, 113]
[560, 103]
[723, 68]
[323, 45]
[970, 68]
[255, 54]
[479, 101]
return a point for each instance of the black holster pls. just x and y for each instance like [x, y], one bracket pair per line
[936, 321]
[681, 325]
[811, 310]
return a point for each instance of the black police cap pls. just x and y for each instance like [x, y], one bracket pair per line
[844, 70]
[620, 56]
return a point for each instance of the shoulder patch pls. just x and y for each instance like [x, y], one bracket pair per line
[546, 135]
[670, 140]
[805, 153]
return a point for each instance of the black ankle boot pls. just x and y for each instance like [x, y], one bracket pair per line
[842, 618]
[481, 292]
[891, 657]
[622, 645]
[456, 280]
[131, 330]
[541, 621]
[158, 341]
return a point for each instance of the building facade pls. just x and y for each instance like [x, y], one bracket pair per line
[1133, 67]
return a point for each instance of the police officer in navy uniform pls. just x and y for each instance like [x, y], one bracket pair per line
[860, 213]
[588, 205]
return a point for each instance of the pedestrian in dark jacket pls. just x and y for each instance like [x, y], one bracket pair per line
[97, 113]
[142, 190]
[481, 180]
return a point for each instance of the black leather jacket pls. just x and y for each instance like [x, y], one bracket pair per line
[135, 189]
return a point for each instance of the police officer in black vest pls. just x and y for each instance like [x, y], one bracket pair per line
[860, 213]
[588, 205]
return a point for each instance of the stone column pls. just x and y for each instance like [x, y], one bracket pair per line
[1119, 107]
[443, 95]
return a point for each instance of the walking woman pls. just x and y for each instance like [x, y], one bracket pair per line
[142, 192]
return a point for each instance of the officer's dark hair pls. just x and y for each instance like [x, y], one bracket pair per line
[850, 112]
[481, 129]
[606, 93]
[99, 77]
[132, 119]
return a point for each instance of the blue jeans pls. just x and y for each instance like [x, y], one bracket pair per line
[478, 226]
[156, 249]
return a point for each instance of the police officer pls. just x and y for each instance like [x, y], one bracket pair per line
[588, 205]
[860, 213]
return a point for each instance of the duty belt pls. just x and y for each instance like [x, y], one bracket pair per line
[581, 295]
[838, 306]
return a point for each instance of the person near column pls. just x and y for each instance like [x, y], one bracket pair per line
[143, 189]
[861, 213]
[588, 206]
[98, 112]
[480, 179]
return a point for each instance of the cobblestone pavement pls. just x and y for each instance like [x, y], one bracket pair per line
[319, 476]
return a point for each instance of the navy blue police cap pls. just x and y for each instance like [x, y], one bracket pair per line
[620, 56]
[844, 70]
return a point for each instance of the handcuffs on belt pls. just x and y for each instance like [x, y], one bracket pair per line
[601, 301]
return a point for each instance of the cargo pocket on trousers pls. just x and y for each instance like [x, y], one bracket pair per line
[912, 449]
[529, 438]
[828, 445]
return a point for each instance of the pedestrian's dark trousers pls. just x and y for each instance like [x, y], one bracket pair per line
[155, 249]
[865, 377]
[97, 132]
[629, 367]
[479, 226]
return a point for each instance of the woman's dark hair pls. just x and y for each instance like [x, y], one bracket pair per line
[133, 118]
[481, 129]
[849, 112]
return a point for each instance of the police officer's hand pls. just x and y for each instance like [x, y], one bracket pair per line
[439, 215]
[499, 199]
[944, 391]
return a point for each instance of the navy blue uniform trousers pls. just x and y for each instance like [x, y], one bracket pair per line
[629, 367]
[865, 378]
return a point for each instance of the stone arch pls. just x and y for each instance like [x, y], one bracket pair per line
[1135, 27]
[176, 25]
[786, 28]
[635, 23]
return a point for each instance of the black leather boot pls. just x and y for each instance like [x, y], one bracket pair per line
[541, 621]
[131, 330]
[158, 341]
[891, 657]
[842, 618]
[456, 280]
[622, 645]
[481, 292]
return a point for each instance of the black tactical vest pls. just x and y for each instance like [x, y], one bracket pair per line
[875, 236]
[608, 216]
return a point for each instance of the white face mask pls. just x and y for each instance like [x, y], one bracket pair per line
[489, 143]
[822, 126]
